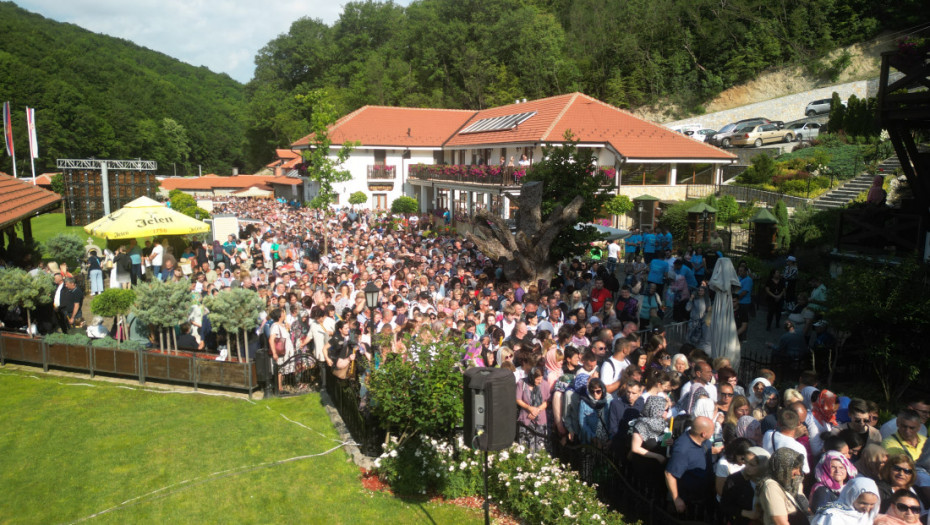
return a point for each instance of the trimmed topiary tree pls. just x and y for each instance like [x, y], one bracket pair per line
[20, 288]
[114, 302]
[357, 198]
[405, 205]
[235, 310]
[784, 229]
[165, 305]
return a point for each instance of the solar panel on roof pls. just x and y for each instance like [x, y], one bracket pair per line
[498, 123]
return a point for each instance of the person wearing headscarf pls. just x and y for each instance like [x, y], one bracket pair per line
[857, 504]
[553, 366]
[750, 428]
[824, 412]
[832, 472]
[593, 413]
[532, 399]
[755, 391]
[766, 412]
[876, 193]
[810, 395]
[779, 493]
[648, 447]
[871, 460]
[686, 405]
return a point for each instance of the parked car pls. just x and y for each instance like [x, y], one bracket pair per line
[760, 134]
[817, 107]
[804, 130]
[702, 134]
[724, 136]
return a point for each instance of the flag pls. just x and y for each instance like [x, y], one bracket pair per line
[8, 129]
[31, 128]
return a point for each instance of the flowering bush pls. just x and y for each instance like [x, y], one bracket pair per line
[534, 487]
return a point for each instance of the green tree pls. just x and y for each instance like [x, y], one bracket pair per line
[184, 203]
[894, 298]
[405, 205]
[419, 394]
[761, 170]
[566, 172]
[114, 302]
[322, 167]
[58, 184]
[358, 197]
[618, 205]
[164, 305]
[65, 247]
[784, 228]
[727, 209]
[20, 288]
[837, 119]
[236, 311]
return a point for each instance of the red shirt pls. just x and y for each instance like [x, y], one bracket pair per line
[598, 297]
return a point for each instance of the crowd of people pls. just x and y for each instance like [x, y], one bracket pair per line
[587, 349]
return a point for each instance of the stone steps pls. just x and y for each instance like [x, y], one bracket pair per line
[846, 193]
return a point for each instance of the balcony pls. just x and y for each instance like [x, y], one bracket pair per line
[382, 172]
[485, 175]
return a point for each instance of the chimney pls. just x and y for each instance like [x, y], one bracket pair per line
[524, 101]
[408, 132]
[235, 171]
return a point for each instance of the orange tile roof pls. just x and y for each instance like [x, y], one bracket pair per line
[19, 199]
[286, 153]
[45, 179]
[289, 181]
[212, 181]
[402, 127]
[591, 121]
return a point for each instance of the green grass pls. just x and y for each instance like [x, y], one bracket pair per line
[48, 225]
[846, 160]
[73, 448]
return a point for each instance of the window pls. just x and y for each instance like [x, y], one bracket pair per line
[380, 157]
[644, 174]
[498, 123]
[380, 200]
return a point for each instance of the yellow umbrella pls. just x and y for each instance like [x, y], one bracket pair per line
[144, 217]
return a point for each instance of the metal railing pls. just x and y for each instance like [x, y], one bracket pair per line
[484, 174]
[746, 194]
[382, 172]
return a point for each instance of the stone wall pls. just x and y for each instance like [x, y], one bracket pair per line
[786, 108]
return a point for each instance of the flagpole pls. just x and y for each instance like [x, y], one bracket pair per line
[14, 166]
[33, 141]
[32, 162]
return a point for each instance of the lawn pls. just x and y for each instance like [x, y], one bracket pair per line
[48, 225]
[78, 449]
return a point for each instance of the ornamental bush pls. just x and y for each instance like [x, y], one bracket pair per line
[65, 247]
[405, 205]
[534, 487]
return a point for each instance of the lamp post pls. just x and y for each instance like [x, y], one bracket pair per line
[371, 295]
[704, 216]
[639, 208]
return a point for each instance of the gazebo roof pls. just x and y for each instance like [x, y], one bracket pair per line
[764, 216]
[645, 197]
[20, 199]
[701, 208]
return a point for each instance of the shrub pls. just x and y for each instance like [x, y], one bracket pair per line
[65, 247]
[534, 487]
[58, 338]
[113, 302]
[405, 205]
[420, 392]
[760, 172]
[784, 231]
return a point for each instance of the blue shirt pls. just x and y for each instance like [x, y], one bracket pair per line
[689, 276]
[649, 243]
[696, 261]
[690, 465]
[632, 243]
[745, 285]
[668, 240]
[135, 255]
[657, 270]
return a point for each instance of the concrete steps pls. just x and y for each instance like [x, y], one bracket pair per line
[842, 195]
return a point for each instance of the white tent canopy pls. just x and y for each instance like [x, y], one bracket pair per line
[723, 339]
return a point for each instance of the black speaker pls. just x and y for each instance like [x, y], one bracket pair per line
[490, 408]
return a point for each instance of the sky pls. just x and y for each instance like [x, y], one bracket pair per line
[224, 35]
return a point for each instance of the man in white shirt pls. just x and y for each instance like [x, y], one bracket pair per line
[613, 256]
[784, 436]
[157, 257]
[614, 366]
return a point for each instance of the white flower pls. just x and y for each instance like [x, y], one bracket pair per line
[463, 466]
[451, 468]
[595, 517]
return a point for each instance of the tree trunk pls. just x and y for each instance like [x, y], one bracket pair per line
[174, 338]
[245, 338]
[28, 323]
[161, 339]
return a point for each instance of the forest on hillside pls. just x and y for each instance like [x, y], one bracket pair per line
[104, 97]
[482, 53]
